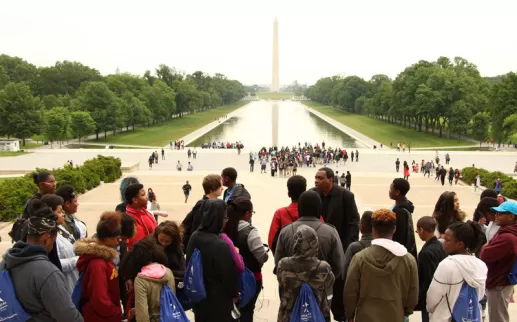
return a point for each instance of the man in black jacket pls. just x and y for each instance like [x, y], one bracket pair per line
[213, 188]
[403, 208]
[430, 256]
[234, 189]
[339, 210]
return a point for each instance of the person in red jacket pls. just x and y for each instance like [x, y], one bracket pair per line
[296, 185]
[499, 256]
[136, 207]
[100, 299]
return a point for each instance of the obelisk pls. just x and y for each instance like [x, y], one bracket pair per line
[275, 84]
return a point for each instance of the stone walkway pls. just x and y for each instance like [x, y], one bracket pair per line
[370, 183]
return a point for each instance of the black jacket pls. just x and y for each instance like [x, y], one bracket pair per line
[404, 234]
[176, 261]
[237, 192]
[342, 214]
[192, 221]
[220, 274]
[430, 256]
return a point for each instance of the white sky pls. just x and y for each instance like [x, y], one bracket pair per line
[234, 37]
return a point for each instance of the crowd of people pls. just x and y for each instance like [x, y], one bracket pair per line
[121, 271]
[285, 161]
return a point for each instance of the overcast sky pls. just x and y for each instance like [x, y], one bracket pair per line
[234, 37]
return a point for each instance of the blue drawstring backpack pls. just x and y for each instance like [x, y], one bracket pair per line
[247, 287]
[306, 307]
[78, 292]
[466, 308]
[194, 280]
[10, 308]
[181, 294]
[170, 307]
[512, 277]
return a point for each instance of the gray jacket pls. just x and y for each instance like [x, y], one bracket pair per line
[68, 258]
[330, 248]
[356, 247]
[40, 286]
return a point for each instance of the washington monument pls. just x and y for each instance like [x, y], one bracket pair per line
[275, 84]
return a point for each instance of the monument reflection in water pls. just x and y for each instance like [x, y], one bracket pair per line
[276, 123]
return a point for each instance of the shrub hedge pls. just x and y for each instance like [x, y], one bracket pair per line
[488, 179]
[16, 191]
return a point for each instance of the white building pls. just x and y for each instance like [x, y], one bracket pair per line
[12, 145]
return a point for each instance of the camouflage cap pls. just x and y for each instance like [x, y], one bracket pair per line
[41, 225]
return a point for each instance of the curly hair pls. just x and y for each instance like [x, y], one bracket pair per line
[109, 224]
[171, 229]
[384, 221]
[444, 211]
[143, 253]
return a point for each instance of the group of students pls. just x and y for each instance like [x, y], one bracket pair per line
[122, 271]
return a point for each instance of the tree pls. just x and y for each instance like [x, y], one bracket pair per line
[20, 112]
[51, 101]
[460, 118]
[56, 126]
[4, 78]
[479, 127]
[96, 98]
[81, 124]
[503, 103]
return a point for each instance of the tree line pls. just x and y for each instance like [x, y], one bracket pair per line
[444, 95]
[71, 100]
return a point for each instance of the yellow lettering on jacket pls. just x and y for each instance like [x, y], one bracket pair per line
[114, 274]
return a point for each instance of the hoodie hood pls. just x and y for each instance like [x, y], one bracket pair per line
[214, 211]
[89, 249]
[22, 253]
[154, 272]
[473, 270]
[305, 242]
[384, 256]
[394, 247]
[508, 230]
[407, 205]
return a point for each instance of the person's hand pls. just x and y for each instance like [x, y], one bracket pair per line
[129, 286]
[161, 213]
[131, 314]
[237, 250]
[482, 221]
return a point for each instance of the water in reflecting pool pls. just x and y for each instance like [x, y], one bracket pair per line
[276, 123]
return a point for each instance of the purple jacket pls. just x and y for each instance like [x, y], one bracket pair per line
[237, 259]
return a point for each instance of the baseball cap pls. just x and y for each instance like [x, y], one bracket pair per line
[507, 206]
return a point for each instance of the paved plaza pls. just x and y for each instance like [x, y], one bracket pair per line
[371, 178]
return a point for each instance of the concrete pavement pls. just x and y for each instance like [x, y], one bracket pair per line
[371, 178]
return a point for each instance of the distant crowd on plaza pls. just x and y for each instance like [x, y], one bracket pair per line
[328, 260]
[284, 161]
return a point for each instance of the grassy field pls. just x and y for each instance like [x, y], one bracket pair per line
[161, 134]
[385, 132]
[275, 95]
[11, 154]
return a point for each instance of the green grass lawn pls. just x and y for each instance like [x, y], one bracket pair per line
[385, 132]
[161, 134]
[11, 154]
[31, 145]
[275, 95]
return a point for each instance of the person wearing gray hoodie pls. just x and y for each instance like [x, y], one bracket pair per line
[40, 286]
